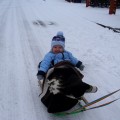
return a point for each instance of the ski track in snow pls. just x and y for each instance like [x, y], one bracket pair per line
[23, 45]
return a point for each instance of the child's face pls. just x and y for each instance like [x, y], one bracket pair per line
[57, 49]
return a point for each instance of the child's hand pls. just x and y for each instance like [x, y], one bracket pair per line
[81, 67]
[40, 77]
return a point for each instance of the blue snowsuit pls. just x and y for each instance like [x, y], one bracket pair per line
[56, 58]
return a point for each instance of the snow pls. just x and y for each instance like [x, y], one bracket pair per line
[24, 42]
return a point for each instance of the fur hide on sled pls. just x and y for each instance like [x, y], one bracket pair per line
[65, 87]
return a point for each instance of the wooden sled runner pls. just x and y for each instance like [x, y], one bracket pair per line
[84, 100]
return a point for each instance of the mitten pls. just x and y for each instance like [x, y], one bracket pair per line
[81, 67]
[40, 75]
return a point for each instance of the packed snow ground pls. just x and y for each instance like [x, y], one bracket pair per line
[26, 30]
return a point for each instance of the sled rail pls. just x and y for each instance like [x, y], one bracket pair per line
[84, 100]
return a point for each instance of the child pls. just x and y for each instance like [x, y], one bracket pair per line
[56, 55]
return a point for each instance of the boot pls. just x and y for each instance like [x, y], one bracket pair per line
[92, 89]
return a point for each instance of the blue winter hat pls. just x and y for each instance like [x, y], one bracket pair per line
[58, 40]
[60, 33]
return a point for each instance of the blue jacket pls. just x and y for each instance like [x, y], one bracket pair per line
[56, 58]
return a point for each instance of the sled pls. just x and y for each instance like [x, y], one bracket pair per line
[65, 89]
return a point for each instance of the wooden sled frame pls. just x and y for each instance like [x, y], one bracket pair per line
[84, 100]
